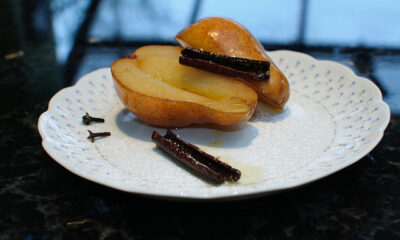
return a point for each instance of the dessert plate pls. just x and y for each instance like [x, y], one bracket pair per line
[332, 119]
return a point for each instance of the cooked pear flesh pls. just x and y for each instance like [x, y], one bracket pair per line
[228, 37]
[154, 86]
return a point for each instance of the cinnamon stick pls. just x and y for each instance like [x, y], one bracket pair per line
[227, 65]
[194, 158]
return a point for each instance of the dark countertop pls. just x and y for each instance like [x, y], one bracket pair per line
[39, 199]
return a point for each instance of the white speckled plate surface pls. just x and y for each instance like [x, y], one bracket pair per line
[332, 119]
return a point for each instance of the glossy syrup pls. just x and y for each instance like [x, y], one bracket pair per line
[250, 174]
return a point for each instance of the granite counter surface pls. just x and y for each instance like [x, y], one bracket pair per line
[39, 199]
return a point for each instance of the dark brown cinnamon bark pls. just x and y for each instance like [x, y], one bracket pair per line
[238, 63]
[193, 157]
[231, 66]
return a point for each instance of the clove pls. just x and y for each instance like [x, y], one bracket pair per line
[87, 119]
[93, 135]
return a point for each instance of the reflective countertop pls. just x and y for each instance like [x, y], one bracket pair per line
[47, 45]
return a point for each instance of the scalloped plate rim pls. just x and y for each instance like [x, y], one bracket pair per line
[243, 194]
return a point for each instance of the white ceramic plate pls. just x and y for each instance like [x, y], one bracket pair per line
[332, 119]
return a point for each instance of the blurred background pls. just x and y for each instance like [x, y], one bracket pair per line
[79, 36]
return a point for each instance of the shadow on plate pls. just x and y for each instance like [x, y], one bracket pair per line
[237, 136]
[264, 113]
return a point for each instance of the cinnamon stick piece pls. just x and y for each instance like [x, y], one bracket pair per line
[194, 158]
[226, 65]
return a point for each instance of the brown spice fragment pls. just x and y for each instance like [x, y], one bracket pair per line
[13, 55]
[131, 56]
[80, 222]
[193, 157]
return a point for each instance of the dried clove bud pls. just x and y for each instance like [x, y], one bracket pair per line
[93, 135]
[193, 157]
[87, 119]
